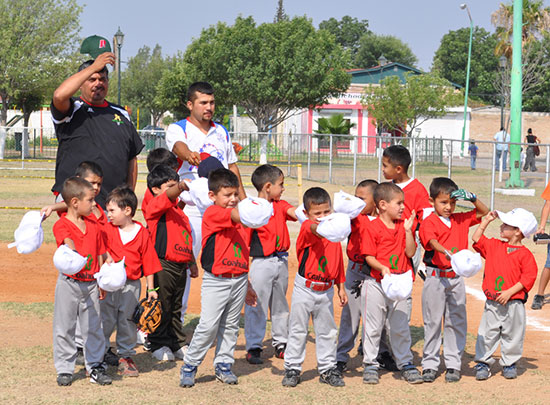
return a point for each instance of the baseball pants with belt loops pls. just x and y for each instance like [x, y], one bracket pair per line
[269, 278]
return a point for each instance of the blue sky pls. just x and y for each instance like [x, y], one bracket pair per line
[173, 24]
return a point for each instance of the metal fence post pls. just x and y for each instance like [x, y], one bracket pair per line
[309, 141]
[413, 147]
[330, 159]
[355, 161]
[23, 149]
[450, 168]
[493, 172]
[379, 151]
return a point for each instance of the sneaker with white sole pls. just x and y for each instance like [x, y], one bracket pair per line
[187, 376]
[127, 367]
[98, 376]
[483, 372]
[180, 353]
[164, 354]
[225, 375]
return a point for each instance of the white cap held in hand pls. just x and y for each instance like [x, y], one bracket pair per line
[112, 276]
[466, 263]
[300, 213]
[255, 212]
[67, 261]
[397, 287]
[29, 234]
[348, 204]
[335, 227]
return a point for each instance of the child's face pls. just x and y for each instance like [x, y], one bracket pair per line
[388, 169]
[116, 215]
[95, 181]
[226, 197]
[444, 205]
[316, 211]
[84, 205]
[507, 232]
[275, 190]
[165, 186]
[395, 207]
[365, 194]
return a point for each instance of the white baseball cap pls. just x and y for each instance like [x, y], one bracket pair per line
[397, 287]
[466, 263]
[111, 276]
[198, 191]
[521, 218]
[255, 212]
[300, 213]
[348, 204]
[335, 227]
[67, 261]
[29, 235]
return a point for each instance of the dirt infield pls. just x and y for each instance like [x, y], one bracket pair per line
[27, 374]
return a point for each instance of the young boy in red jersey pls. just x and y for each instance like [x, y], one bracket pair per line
[510, 272]
[389, 245]
[225, 286]
[129, 240]
[155, 157]
[77, 296]
[444, 292]
[321, 266]
[269, 268]
[171, 235]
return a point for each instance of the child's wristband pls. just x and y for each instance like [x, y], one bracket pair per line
[153, 289]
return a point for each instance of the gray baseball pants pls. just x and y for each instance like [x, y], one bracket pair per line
[116, 310]
[504, 324]
[196, 235]
[443, 302]
[222, 300]
[76, 300]
[318, 305]
[269, 278]
[380, 311]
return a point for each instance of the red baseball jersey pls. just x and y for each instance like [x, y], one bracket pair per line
[170, 230]
[453, 239]
[225, 244]
[416, 198]
[140, 257]
[358, 235]
[89, 244]
[387, 246]
[320, 259]
[505, 265]
[146, 199]
[274, 236]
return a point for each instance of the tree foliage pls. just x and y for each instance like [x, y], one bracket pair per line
[335, 125]
[397, 106]
[372, 46]
[451, 60]
[348, 32]
[38, 39]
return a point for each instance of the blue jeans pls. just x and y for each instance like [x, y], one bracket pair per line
[504, 154]
[473, 161]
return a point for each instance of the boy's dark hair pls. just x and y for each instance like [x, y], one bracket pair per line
[90, 62]
[221, 178]
[370, 184]
[161, 156]
[385, 191]
[75, 187]
[200, 87]
[265, 174]
[123, 196]
[159, 175]
[442, 185]
[315, 195]
[398, 155]
[88, 167]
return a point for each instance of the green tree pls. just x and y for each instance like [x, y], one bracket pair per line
[348, 32]
[397, 106]
[372, 46]
[36, 37]
[141, 79]
[280, 14]
[451, 60]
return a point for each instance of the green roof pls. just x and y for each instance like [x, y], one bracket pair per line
[375, 74]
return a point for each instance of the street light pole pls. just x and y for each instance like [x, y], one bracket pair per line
[465, 6]
[119, 36]
[502, 63]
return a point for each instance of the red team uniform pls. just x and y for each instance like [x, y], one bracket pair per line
[274, 236]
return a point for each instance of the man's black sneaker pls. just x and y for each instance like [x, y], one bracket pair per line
[98, 376]
[110, 358]
[253, 356]
[333, 378]
[64, 379]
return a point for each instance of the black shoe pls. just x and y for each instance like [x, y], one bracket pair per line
[429, 375]
[341, 366]
[64, 379]
[452, 375]
[280, 351]
[291, 378]
[386, 361]
[411, 374]
[333, 378]
[110, 358]
[253, 356]
[146, 344]
[80, 356]
[538, 302]
[98, 376]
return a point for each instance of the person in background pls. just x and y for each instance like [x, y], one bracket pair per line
[472, 150]
[503, 139]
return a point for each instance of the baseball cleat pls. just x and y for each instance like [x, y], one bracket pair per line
[253, 356]
[291, 378]
[98, 376]
[452, 375]
[64, 379]
[225, 375]
[429, 376]
[187, 376]
[483, 372]
[510, 372]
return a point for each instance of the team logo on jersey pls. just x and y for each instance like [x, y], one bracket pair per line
[117, 119]
[454, 250]
[212, 150]
[278, 241]
[499, 282]
[323, 262]
[89, 262]
[186, 235]
[237, 250]
[394, 260]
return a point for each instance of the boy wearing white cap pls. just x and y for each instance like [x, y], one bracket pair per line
[510, 272]
[444, 294]
[77, 295]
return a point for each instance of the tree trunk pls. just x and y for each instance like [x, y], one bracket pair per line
[262, 138]
[3, 120]
[25, 138]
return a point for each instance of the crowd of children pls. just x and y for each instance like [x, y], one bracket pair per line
[246, 267]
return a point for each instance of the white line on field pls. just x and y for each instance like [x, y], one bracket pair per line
[533, 321]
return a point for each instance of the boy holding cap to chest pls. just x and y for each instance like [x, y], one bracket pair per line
[510, 272]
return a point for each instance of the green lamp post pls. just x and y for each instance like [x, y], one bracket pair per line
[464, 6]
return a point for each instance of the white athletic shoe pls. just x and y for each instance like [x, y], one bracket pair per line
[164, 354]
[180, 353]
[141, 336]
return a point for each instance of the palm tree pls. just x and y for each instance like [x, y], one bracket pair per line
[335, 125]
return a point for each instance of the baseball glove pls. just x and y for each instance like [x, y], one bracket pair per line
[147, 315]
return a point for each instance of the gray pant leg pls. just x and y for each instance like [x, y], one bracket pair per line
[374, 318]
[64, 325]
[109, 311]
[456, 324]
[488, 334]
[228, 331]
[126, 335]
[513, 333]
[399, 332]
[325, 330]
[433, 308]
[300, 309]
[279, 304]
[90, 325]
[78, 335]
[196, 235]
[350, 317]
